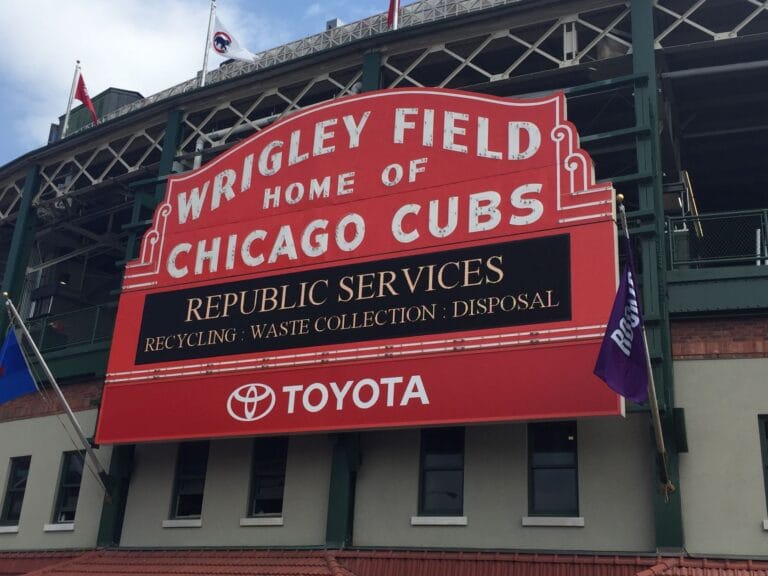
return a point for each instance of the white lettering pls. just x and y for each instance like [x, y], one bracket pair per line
[390, 384]
[355, 129]
[284, 245]
[415, 390]
[534, 140]
[358, 228]
[357, 393]
[401, 124]
[211, 256]
[222, 186]
[306, 402]
[321, 135]
[270, 163]
[320, 246]
[340, 393]
[397, 223]
[365, 394]
[484, 211]
[173, 269]
[519, 200]
[451, 130]
[292, 390]
[194, 204]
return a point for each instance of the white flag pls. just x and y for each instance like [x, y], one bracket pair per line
[225, 45]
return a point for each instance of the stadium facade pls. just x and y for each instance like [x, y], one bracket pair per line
[417, 435]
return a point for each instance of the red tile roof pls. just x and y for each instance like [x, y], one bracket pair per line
[24, 562]
[469, 563]
[193, 562]
[707, 567]
[197, 562]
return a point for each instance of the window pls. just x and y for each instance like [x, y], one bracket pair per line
[14, 491]
[267, 476]
[441, 491]
[69, 487]
[763, 425]
[552, 482]
[191, 465]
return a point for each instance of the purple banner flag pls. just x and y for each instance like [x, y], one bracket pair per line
[622, 363]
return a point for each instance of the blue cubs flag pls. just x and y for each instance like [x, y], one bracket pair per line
[15, 377]
[622, 363]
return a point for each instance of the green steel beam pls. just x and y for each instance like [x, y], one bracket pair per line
[170, 147]
[608, 83]
[371, 71]
[341, 493]
[141, 183]
[79, 360]
[668, 511]
[637, 177]
[112, 514]
[145, 200]
[718, 290]
[633, 131]
[21, 242]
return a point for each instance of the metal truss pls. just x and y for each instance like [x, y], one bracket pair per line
[77, 181]
[418, 13]
[65, 177]
[499, 53]
[10, 195]
[682, 23]
[702, 16]
[249, 112]
[559, 42]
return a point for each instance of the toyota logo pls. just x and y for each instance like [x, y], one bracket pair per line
[251, 402]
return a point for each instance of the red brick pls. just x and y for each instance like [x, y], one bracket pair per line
[80, 395]
[720, 338]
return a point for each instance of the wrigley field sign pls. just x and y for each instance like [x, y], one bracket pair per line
[398, 258]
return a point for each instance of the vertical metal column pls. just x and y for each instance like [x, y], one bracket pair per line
[371, 71]
[145, 201]
[346, 449]
[121, 464]
[341, 493]
[21, 242]
[668, 511]
[170, 149]
[112, 513]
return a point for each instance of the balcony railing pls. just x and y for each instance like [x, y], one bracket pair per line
[718, 239]
[76, 328]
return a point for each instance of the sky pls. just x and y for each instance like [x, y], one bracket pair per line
[141, 45]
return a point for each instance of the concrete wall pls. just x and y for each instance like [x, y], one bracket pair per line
[721, 477]
[722, 485]
[45, 440]
[225, 499]
[614, 491]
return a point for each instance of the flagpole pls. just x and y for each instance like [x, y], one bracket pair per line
[71, 99]
[393, 15]
[101, 476]
[396, 15]
[652, 400]
[207, 43]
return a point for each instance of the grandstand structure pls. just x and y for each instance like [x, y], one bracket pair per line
[668, 97]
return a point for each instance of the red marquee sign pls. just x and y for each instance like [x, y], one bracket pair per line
[398, 258]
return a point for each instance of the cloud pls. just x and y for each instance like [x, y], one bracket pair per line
[141, 45]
